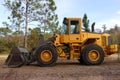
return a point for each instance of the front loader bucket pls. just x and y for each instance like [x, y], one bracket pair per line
[16, 57]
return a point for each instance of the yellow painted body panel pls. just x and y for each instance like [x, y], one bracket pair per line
[86, 35]
[78, 41]
[70, 38]
[113, 48]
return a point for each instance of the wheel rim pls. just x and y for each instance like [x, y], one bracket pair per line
[46, 55]
[94, 55]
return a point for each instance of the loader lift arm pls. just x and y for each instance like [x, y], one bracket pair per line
[21, 56]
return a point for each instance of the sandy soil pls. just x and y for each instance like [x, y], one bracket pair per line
[64, 70]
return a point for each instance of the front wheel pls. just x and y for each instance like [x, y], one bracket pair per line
[93, 55]
[46, 55]
[81, 61]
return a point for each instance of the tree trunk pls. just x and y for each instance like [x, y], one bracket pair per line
[25, 39]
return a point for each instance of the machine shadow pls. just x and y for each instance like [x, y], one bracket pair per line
[60, 63]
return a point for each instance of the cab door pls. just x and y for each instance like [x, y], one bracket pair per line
[75, 31]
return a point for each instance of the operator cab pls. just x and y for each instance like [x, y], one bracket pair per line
[71, 31]
[71, 26]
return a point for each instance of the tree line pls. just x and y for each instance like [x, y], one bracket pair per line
[40, 13]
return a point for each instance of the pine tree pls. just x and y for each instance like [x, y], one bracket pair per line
[86, 23]
[16, 17]
[40, 11]
[45, 15]
[4, 31]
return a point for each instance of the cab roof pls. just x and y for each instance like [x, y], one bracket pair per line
[72, 18]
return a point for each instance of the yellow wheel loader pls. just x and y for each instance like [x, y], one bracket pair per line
[88, 48]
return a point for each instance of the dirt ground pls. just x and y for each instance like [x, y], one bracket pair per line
[64, 70]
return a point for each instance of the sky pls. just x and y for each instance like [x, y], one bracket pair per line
[99, 11]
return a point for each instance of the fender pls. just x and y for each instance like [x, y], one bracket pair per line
[89, 40]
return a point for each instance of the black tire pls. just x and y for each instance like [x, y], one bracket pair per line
[81, 61]
[51, 51]
[92, 55]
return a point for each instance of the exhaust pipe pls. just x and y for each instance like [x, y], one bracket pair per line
[93, 24]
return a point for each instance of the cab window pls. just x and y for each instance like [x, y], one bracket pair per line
[64, 29]
[74, 27]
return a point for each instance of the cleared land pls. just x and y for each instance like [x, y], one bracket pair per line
[64, 70]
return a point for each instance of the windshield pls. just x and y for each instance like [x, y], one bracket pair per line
[74, 27]
[64, 29]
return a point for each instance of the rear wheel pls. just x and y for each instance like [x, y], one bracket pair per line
[46, 55]
[93, 55]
